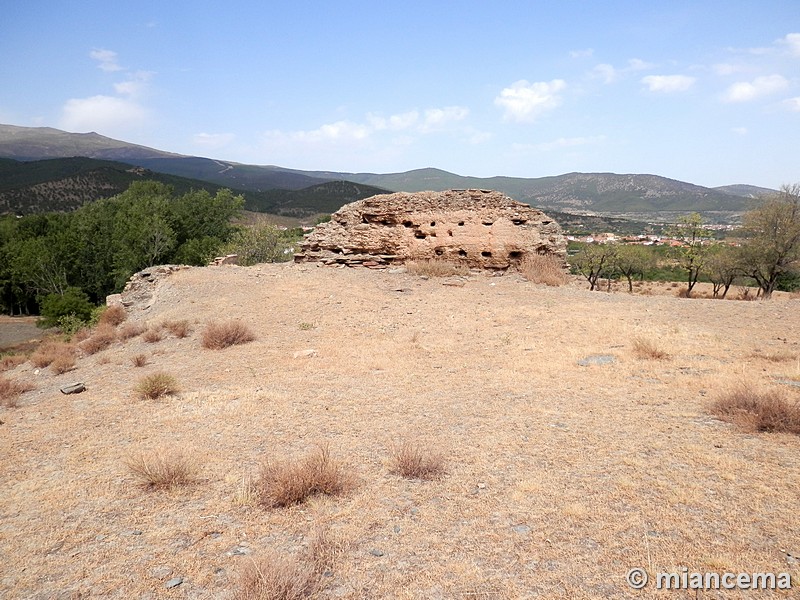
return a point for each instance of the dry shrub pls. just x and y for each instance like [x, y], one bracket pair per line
[758, 410]
[139, 360]
[287, 482]
[113, 315]
[543, 268]
[217, 336]
[276, 577]
[152, 335]
[162, 468]
[290, 577]
[156, 386]
[45, 354]
[11, 361]
[102, 337]
[777, 356]
[130, 330]
[436, 268]
[84, 333]
[11, 390]
[180, 329]
[413, 461]
[63, 363]
[647, 349]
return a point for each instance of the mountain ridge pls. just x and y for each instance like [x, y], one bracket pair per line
[621, 195]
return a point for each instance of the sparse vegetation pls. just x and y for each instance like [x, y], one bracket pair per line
[162, 468]
[286, 482]
[130, 330]
[156, 386]
[436, 268]
[543, 268]
[217, 336]
[11, 361]
[413, 461]
[647, 349]
[758, 410]
[276, 577]
[63, 363]
[139, 360]
[113, 315]
[180, 328]
[11, 390]
[102, 337]
[152, 335]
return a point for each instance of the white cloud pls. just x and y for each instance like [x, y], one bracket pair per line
[637, 64]
[525, 101]
[791, 42]
[135, 85]
[109, 114]
[106, 58]
[213, 140]
[587, 53]
[793, 103]
[668, 83]
[739, 130]
[727, 69]
[397, 122]
[437, 119]
[744, 91]
[605, 72]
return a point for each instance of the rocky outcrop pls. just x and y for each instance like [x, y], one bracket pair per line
[140, 289]
[478, 228]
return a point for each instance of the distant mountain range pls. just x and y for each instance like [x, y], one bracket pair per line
[301, 193]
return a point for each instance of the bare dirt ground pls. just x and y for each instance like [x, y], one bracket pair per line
[561, 476]
[18, 331]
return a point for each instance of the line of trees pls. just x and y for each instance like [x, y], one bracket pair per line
[769, 253]
[94, 250]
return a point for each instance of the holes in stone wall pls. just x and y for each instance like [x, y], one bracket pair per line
[408, 224]
[515, 255]
[462, 252]
[438, 251]
[450, 232]
[486, 254]
[420, 235]
[433, 223]
[461, 223]
[487, 223]
[519, 221]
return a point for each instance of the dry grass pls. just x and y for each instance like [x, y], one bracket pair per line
[63, 363]
[152, 335]
[179, 328]
[436, 268]
[777, 356]
[162, 468]
[647, 349]
[113, 316]
[758, 410]
[102, 337]
[11, 390]
[12, 361]
[291, 577]
[217, 336]
[130, 330]
[157, 386]
[286, 482]
[543, 268]
[277, 577]
[414, 461]
[139, 360]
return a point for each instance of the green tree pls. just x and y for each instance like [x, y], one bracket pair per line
[723, 265]
[692, 255]
[594, 261]
[260, 243]
[772, 248]
[72, 303]
[632, 260]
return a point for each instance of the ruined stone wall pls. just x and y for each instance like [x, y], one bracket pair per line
[480, 228]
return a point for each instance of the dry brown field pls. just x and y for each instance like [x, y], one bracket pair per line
[562, 470]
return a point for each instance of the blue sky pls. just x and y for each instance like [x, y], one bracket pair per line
[706, 92]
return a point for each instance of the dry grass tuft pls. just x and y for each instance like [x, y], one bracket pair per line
[758, 410]
[543, 268]
[156, 386]
[648, 350]
[436, 268]
[139, 360]
[412, 461]
[288, 482]
[217, 336]
[130, 330]
[152, 335]
[180, 329]
[162, 468]
[11, 390]
[777, 356]
[113, 315]
[11, 361]
[63, 362]
[276, 577]
[102, 337]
